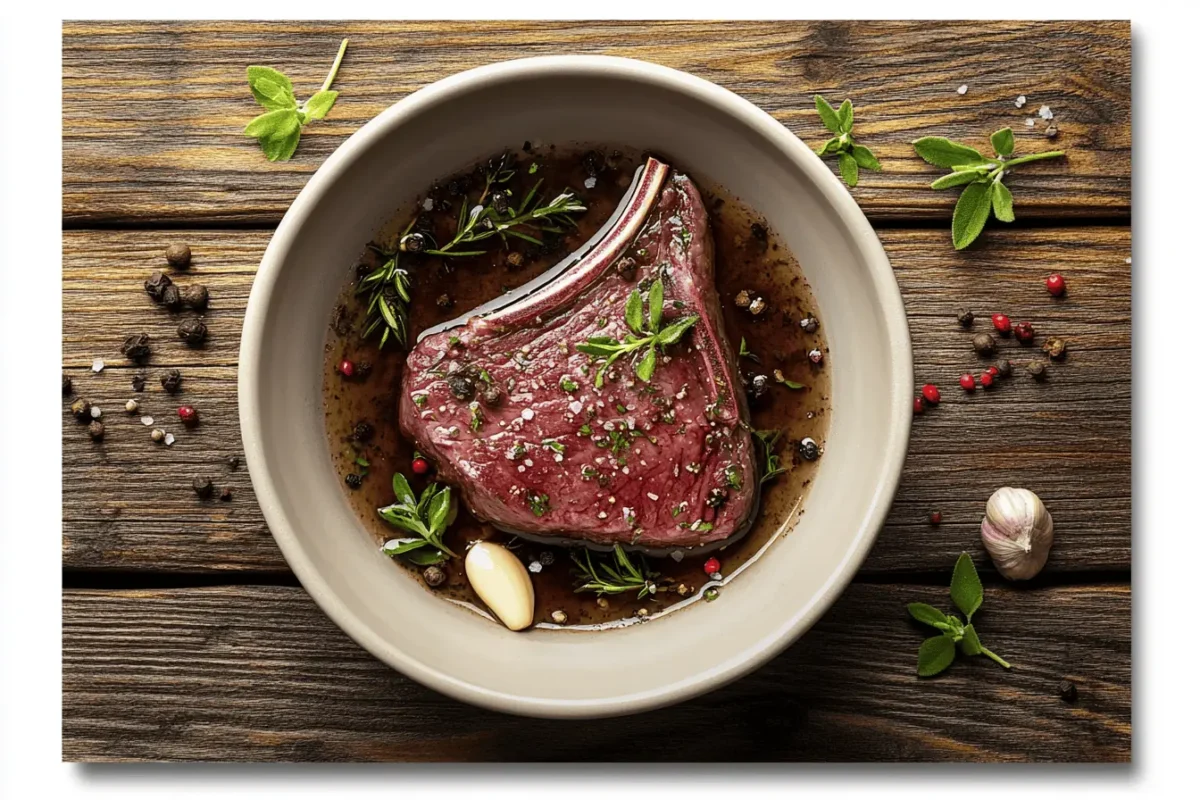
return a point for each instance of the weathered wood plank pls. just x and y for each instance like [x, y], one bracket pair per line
[128, 503]
[153, 111]
[259, 673]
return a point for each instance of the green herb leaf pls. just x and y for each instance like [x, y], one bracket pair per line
[864, 157]
[829, 146]
[427, 519]
[971, 213]
[319, 104]
[923, 612]
[645, 367]
[633, 311]
[271, 88]
[281, 147]
[935, 655]
[1003, 142]
[846, 116]
[675, 331]
[957, 179]
[969, 643]
[849, 169]
[404, 493]
[828, 116]
[942, 152]
[966, 590]
[619, 575]
[793, 384]
[656, 304]
[1002, 203]
[278, 136]
[272, 123]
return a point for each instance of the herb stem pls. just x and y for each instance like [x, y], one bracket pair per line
[995, 657]
[337, 62]
[1033, 157]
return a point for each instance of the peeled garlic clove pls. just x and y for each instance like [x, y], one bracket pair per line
[502, 582]
[1017, 532]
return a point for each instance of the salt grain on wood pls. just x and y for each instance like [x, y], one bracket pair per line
[962, 89]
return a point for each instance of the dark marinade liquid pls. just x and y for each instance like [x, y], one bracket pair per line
[749, 259]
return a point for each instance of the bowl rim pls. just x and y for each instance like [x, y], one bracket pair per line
[722, 100]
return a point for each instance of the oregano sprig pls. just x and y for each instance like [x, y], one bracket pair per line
[278, 130]
[937, 653]
[851, 155]
[986, 193]
[427, 518]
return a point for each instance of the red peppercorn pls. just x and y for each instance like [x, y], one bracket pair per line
[986, 379]
[1055, 285]
[931, 394]
[1002, 323]
[420, 466]
[188, 416]
[918, 405]
[711, 566]
[346, 368]
[935, 518]
[967, 382]
[994, 371]
[1024, 332]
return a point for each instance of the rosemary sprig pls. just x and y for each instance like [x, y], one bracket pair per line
[774, 462]
[611, 349]
[613, 578]
[387, 307]
[485, 221]
[428, 518]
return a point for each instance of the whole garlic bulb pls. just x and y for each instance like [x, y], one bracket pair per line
[1017, 532]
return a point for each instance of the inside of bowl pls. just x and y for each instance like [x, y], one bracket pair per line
[722, 140]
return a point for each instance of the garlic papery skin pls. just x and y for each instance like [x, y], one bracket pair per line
[502, 582]
[1017, 532]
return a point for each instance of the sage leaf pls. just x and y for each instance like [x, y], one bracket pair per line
[942, 152]
[633, 311]
[281, 146]
[955, 179]
[319, 104]
[1002, 203]
[966, 590]
[846, 116]
[1003, 142]
[864, 157]
[935, 655]
[396, 547]
[923, 612]
[272, 95]
[645, 367]
[268, 75]
[970, 642]
[849, 169]
[971, 213]
[828, 116]
[829, 146]
[271, 123]
[656, 305]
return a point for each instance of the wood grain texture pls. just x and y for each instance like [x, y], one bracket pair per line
[259, 673]
[128, 504]
[153, 111]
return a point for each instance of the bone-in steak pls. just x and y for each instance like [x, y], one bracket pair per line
[506, 405]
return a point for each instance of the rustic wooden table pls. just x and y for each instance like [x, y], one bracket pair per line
[185, 636]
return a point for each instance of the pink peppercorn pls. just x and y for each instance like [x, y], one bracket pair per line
[346, 367]
[1002, 323]
[1024, 332]
[712, 566]
[1055, 285]
[931, 394]
[967, 382]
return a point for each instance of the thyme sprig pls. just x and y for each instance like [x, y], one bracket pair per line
[428, 518]
[617, 577]
[774, 462]
[656, 336]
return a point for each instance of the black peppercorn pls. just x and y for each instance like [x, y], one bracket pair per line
[363, 432]
[193, 331]
[757, 387]
[96, 430]
[627, 268]
[759, 232]
[1004, 368]
[1067, 691]
[171, 380]
[717, 497]
[593, 162]
[227, 494]
[500, 201]
[138, 382]
[546, 558]
[362, 369]
[413, 243]
[234, 463]
[434, 576]
[492, 395]
[983, 343]
[966, 318]
[809, 449]
[1037, 369]
[156, 284]
[179, 255]
[462, 385]
[66, 383]
[354, 480]
[195, 297]
[82, 410]
[171, 297]
[136, 347]
[457, 186]
[445, 301]
[202, 486]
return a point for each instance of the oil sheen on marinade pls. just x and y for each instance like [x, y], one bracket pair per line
[748, 257]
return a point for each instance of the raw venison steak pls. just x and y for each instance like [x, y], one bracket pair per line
[507, 405]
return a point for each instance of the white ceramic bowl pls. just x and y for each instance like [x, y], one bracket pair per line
[445, 127]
